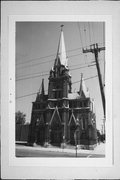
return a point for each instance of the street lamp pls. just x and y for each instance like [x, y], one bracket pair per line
[76, 135]
[76, 139]
[63, 142]
[49, 136]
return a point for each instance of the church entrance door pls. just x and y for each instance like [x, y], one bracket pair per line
[56, 129]
[41, 135]
[56, 136]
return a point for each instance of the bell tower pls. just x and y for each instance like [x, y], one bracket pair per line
[60, 86]
[60, 79]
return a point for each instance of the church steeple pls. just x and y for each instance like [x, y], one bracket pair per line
[83, 91]
[61, 57]
[60, 79]
[42, 87]
[41, 92]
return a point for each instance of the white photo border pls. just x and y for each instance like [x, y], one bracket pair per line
[81, 162]
[12, 167]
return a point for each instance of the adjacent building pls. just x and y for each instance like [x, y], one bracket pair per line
[62, 117]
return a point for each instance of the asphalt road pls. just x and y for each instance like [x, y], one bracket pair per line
[24, 152]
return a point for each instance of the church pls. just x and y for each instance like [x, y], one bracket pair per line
[62, 117]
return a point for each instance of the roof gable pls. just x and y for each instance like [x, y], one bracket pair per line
[72, 120]
[55, 120]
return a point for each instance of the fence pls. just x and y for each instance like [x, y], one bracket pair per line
[22, 132]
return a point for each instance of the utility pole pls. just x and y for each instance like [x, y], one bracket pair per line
[95, 49]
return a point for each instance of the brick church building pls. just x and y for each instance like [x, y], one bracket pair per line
[62, 117]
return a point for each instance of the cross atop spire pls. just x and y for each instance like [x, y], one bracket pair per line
[61, 52]
[62, 27]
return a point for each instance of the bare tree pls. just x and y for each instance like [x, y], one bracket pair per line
[20, 117]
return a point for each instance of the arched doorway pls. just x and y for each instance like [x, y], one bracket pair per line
[56, 135]
[56, 129]
[72, 127]
[40, 131]
[41, 135]
[72, 134]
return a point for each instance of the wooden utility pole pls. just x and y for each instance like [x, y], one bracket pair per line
[95, 49]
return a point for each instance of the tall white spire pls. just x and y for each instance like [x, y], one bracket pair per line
[61, 52]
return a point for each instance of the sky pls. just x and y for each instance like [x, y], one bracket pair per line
[36, 48]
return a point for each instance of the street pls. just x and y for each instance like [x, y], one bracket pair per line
[25, 151]
[41, 153]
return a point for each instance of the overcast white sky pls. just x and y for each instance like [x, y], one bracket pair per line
[36, 47]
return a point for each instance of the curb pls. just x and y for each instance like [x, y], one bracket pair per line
[38, 148]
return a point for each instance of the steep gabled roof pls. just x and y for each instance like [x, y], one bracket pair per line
[55, 117]
[73, 95]
[72, 118]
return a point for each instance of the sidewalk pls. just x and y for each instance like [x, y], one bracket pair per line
[100, 148]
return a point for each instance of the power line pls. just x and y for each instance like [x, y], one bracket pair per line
[89, 32]
[83, 63]
[48, 74]
[98, 32]
[48, 61]
[31, 77]
[47, 90]
[92, 32]
[80, 67]
[85, 79]
[104, 33]
[28, 61]
[85, 36]
[31, 65]
[80, 33]
[75, 55]
[26, 95]
[38, 58]
[26, 75]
